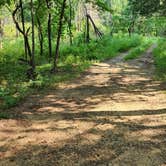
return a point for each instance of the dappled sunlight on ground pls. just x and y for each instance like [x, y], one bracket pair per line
[114, 114]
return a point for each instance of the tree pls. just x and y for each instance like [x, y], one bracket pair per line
[60, 24]
[32, 70]
[39, 19]
[49, 29]
[23, 26]
[148, 7]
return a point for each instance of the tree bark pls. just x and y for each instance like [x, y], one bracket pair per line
[131, 28]
[1, 33]
[87, 29]
[23, 27]
[70, 23]
[59, 36]
[49, 29]
[33, 37]
[40, 34]
[97, 32]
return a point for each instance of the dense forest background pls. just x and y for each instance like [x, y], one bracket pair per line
[45, 42]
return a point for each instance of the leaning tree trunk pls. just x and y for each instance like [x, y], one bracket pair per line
[54, 69]
[97, 32]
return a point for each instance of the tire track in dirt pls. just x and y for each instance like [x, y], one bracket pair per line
[113, 114]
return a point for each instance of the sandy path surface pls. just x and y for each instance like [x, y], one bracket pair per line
[113, 115]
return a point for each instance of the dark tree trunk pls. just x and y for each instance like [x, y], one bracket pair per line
[33, 38]
[87, 30]
[131, 28]
[1, 32]
[70, 23]
[49, 35]
[49, 29]
[59, 36]
[97, 32]
[23, 26]
[40, 35]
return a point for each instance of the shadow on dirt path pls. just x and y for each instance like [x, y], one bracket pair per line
[113, 115]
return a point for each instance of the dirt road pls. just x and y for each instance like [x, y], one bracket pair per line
[113, 115]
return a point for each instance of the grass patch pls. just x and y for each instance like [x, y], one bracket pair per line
[160, 59]
[4, 115]
[136, 52]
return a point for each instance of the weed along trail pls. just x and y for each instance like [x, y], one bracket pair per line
[113, 114]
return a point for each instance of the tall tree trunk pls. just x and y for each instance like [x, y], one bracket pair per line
[131, 28]
[40, 35]
[23, 26]
[87, 29]
[59, 36]
[1, 33]
[87, 25]
[33, 38]
[70, 23]
[49, 29]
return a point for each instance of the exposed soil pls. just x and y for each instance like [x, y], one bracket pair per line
[113, 115]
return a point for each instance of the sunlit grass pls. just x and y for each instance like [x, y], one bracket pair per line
[160, 59]
[136, 52]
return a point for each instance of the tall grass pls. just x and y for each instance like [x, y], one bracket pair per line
[108, 47]
[137, 51]
[160, 58]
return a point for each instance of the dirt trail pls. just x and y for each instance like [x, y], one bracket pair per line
[113, 115]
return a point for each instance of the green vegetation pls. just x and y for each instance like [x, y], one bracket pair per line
[74, 60]
[45, 42]
[136, 52]
[160, 58]
[4, 115]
